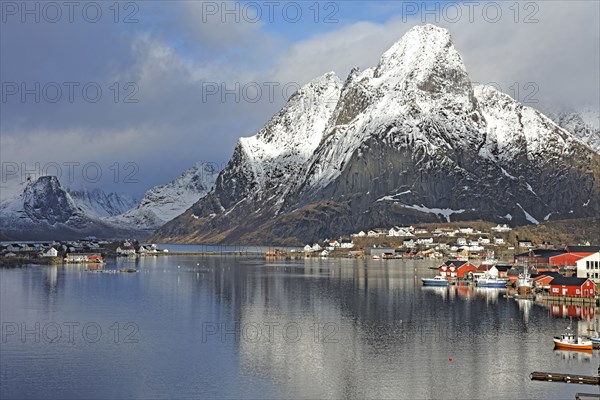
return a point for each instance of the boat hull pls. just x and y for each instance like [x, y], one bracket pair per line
[500, 284]
[585, 345]
[434, 282]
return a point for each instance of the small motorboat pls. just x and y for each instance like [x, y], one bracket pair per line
[492, 282]
[569, 341]
[595, 339]
[437, 281]
[376, 258]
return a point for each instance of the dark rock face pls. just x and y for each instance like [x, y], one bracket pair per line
[45, 200]
[411, 141]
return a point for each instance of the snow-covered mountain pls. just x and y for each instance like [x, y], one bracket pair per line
[408, 141]
[164, 202]
[97, 203]
[43, 209]
[582, 123]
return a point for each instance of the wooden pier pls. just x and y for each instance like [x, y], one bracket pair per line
[567, 378]
[581, 396]
[566, 300]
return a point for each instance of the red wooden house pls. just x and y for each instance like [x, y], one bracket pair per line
[455, 269]
[543, 279]
[572, 287]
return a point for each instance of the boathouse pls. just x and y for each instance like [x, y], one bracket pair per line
[456, 269]
[572, 287]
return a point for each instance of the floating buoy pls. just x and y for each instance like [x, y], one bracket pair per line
[450, 359]
[178, 266]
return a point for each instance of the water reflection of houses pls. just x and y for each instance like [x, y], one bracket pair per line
[585, 312]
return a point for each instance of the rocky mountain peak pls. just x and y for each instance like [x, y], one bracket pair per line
[45, 199]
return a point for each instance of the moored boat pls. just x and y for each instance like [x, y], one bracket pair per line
[436, 281]
[492, 282]
[524, 284]
[569, 341]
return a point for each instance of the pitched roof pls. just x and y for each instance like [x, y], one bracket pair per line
[563, 280]
[456, 263]
[503, 267]
[547, 252]
[583, 249]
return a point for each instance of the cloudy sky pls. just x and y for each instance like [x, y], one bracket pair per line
[126, 97]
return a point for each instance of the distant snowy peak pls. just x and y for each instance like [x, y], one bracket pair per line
[583, 123]
[164, 202]
[97, 203]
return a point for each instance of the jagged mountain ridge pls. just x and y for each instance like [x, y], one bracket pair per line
[582, 123]
[45, 210]
[97, 203]
[408, 141]
[162, 203]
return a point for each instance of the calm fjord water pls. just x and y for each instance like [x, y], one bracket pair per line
[226, 327]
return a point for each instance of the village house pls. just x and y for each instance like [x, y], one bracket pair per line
[83, 257]
[542, 280]
[125, 250]
[525, 244]
[501, 228]
[346, 244]
[572, 287]
[425, 241]
[421, 231]
[503, 270]
[361, 234]
[409, 244]
[14, 248]
[589, 267]
[308, 249]
[461, 241]
[316, 247]
[334, 243]
[455, 269]
[498, 241]
[466, 231]
[51, 252]
[483, 240]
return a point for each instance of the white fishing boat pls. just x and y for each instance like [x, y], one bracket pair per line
[524, 284]
[570, 341]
